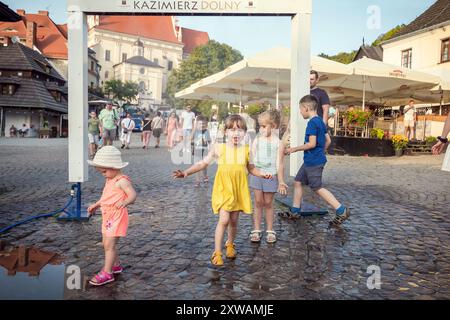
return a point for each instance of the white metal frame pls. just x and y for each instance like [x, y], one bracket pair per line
[299, 10]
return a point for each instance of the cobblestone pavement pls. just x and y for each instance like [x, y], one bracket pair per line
[400, 222]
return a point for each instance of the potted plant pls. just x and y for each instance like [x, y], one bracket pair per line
[377, 133]
[399, 142]
[431, 140]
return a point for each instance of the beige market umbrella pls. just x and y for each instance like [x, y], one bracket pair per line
[265, 76]
[377, 80]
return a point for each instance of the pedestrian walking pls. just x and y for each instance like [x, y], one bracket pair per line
[109, 120]
[409, 120]
[187, 124]
[201, 141]
[93, 134]
[171, 129]
[146, 131]
[127, 126]
[157, 125]
[118, 194]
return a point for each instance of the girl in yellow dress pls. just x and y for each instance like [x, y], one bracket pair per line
[231, 194]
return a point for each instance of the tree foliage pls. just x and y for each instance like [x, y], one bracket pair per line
[347, 57]
[342, 57]
[125, 91]
[388, 35]
[204, 61]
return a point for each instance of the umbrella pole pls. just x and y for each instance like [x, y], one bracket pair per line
[364, 93]
[240, 100]
[278, 90]
[442, 100]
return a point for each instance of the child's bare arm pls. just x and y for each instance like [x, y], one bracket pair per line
[127, 187]
[327, 141]
[199, 166]
[258, 173]
[282, 186]
[307, 146]
[92, 208]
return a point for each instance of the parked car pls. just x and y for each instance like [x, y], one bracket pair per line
[138, 124]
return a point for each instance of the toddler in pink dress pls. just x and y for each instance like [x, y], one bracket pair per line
[117, 194]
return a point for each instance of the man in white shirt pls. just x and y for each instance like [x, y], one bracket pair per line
[127, 126]
[187, 123]
[409, 120]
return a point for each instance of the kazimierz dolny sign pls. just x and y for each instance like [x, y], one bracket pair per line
[261, 7]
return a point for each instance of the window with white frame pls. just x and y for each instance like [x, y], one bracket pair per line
[407, 58]
[445, 50]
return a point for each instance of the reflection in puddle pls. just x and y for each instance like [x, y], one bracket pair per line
[30, 273]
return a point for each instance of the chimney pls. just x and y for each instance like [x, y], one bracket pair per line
[20, 12]
[8, 41]
[43, 13]
[31, 34]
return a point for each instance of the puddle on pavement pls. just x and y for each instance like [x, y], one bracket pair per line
[29, 273]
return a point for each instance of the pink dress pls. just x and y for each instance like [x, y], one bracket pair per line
[171, 129]
[115, 221]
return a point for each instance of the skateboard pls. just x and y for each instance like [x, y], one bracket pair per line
[307, 209]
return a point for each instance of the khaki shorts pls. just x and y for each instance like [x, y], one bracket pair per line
[93, 138]
[109, 134]
[408, 123]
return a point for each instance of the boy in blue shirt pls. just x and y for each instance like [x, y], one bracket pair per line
[317, 140]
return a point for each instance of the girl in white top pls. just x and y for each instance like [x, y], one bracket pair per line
[268, 156]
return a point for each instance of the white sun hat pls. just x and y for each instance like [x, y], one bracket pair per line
[108, 157]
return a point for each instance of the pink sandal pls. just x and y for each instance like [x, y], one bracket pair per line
[102, 278]
[117, 269]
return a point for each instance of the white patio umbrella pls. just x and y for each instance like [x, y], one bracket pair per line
[265, 76]
[377, 80]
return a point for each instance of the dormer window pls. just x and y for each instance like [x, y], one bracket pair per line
[56, 95]
[47, 68]
[8, 89]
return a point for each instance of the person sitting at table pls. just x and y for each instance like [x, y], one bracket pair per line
[23, 131]
[13, 131]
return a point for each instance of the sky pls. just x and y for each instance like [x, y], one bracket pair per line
[337, 26]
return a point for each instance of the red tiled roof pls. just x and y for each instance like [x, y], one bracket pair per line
[193, 39]
[151, 27]
[63, 29]
[50, 40]
[19, 27]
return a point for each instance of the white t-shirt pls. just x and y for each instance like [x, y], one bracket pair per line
[409, 115]
[128, 124]
[187, 117]
[157, 123]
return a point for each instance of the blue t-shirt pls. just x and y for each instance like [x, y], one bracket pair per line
[315, 157]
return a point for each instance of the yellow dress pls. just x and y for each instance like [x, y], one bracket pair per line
[231, 191]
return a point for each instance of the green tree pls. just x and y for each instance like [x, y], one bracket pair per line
[342, 57]
[98, 91]
[388, 35]
[125, 91]
[204, 61]
[347, 57]
[255, 109]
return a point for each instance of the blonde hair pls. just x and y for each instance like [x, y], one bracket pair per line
[235, 119]
[272, 116]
